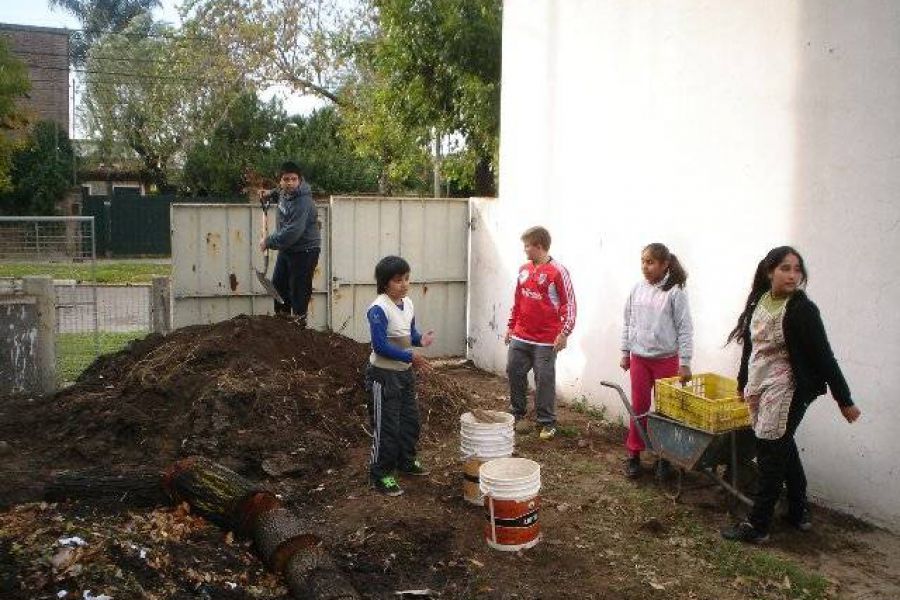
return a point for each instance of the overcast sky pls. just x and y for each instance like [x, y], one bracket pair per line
[39, 13]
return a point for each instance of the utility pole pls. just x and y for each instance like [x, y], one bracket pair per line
[437, 164]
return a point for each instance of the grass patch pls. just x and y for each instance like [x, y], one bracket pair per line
[109, 272]
[582, 406]
[732, 559]
[75, 351]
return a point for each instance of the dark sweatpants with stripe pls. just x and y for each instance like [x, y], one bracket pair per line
[395, 419]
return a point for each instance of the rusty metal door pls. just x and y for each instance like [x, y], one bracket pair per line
[432, 234]
[214, 255]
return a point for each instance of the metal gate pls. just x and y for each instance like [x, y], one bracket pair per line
[214, 255]
[432, 234]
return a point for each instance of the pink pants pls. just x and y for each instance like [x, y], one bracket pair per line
[644, 373]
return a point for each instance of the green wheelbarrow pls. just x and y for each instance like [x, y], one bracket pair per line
[687, 448]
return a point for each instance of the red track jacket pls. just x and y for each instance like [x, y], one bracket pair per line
[544, 304]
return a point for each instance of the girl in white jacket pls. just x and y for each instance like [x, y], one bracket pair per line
[657, 340]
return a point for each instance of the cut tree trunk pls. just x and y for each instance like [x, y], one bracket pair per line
[135, 490]
[279, 535]
[219, 494]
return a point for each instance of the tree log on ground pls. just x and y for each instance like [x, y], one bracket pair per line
[231, 501]
[279, 535]
[135, 490]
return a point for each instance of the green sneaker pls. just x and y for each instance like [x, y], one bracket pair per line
[415, 468]
[387, 485]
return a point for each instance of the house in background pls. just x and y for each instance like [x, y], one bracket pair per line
[107, 171]
[45, 51]
[722, 129]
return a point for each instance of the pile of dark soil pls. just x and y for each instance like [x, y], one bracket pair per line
[255, 393]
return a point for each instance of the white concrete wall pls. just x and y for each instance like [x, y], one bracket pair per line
[721, 129]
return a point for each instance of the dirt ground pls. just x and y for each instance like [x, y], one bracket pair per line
[286, 407]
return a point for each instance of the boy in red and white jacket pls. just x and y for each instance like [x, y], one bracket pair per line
[541, 320]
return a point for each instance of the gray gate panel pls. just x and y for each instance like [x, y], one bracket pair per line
[431, 234]
[214, 258]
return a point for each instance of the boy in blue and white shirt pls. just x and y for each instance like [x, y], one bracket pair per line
[389, 378]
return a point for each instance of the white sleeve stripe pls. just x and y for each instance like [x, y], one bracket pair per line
[570, 297]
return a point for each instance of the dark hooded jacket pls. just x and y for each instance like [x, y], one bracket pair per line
[298, 228]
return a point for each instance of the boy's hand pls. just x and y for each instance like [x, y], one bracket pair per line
[560, 342]
[625, 363]
[262, 244]
[420, 363]
[684, 373]
[507, 337]
[851, 413]
[427, 339]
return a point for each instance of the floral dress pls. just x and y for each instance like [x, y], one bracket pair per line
[770, 380]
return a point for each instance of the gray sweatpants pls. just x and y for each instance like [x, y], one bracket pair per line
[524, 357]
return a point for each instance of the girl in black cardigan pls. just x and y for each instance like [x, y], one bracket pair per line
[788, 368]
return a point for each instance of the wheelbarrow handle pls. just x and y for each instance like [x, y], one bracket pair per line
[634, 418]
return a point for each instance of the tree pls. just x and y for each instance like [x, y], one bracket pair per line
[301, 43]
[240, 144]
[41, 171]
[440, 60]
[166, 92]
[328, 159]
[378, 132]
[100, 17]
[14, 84]
[401, 72]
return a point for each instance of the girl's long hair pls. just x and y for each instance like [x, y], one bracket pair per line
[761, 285]
[677, 275]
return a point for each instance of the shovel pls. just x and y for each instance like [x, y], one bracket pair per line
[261, 275]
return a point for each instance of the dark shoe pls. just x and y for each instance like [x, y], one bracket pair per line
[663, 469]
[633, 467]
[415, 469]
[801, 523]
[745, 532]
[387, 485]
[524, 426]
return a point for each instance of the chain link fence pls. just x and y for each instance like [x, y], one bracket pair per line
[91, 318]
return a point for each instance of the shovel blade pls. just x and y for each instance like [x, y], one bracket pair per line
[267, 285]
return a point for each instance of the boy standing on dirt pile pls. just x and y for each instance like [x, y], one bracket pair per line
[541, 320]
[297, 240]
[390, 380]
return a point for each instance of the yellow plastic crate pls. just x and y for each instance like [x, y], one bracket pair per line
[709, 402]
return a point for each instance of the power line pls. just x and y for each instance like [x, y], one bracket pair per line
[122, 74]
[142, 35]
[66, 56]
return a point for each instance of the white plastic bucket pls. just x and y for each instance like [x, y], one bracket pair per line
[480, 442]
[511, 489]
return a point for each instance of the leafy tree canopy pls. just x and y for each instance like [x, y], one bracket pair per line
[300, 43]
[166, 93]
[328, 159]
[41, 171]
[439, 61]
